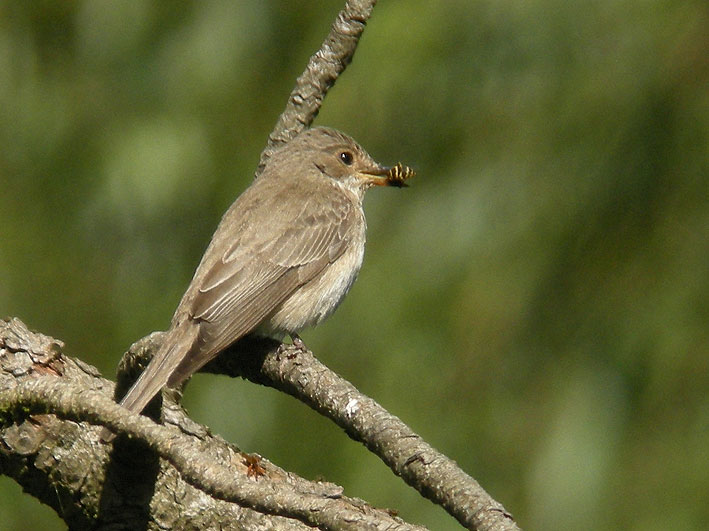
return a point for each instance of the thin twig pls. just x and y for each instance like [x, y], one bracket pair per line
[298, 373]
[323, 69]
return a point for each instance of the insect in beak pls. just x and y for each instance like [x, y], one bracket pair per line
[390, 176]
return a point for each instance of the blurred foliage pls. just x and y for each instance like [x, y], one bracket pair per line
[535, 305]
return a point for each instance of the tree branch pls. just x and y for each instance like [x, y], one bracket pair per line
[298, 373]
[37, 382]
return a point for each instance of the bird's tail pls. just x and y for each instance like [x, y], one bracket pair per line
[172, 352]
[177, 345]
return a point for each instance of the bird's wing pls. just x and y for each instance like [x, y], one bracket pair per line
[251, 266]
[266, 263]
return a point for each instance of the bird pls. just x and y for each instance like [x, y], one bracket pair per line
[282, 259]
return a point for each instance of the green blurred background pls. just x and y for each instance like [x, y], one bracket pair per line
[535, 305]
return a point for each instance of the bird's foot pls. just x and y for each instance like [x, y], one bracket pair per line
[298, 343]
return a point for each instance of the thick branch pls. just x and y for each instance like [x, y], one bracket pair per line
[65, 465]
[320, 74]
[49, 395]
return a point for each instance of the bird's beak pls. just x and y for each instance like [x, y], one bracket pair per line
[388, 175]
[376, 175]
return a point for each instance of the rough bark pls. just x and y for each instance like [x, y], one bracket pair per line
[171, 476]
[179, 475]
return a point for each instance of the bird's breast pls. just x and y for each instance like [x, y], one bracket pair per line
[315, 300]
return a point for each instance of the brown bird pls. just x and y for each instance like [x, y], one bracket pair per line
[282, 258]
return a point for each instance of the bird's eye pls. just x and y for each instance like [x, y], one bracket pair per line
[346, 157]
